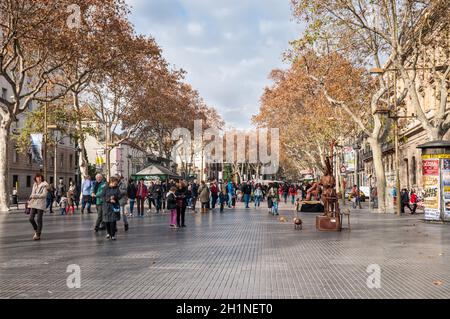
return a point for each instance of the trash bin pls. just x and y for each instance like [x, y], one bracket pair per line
[13, 200]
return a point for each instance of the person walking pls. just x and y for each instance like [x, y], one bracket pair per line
[413, 201]
[270, 193]
[374, 196]
[355, 196]
[214, 194]
[131, 194]
[247, 190]
[71, 193]
[86, 191]
[258, 195]
[194, 194]
[63, 203]
[172, 206]
[285, 192]
[275, 199]
[97, 194]
[292, 193]
[180, 195]
[230, 192]
[157, 195]
[204, 196]
[141, 195]
[37, 203]
[404, 197]
[60, 190]
[111, 207]
[123, 201]
[50, 198]
[222, 199]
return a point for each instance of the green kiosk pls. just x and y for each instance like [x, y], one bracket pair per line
[436, 180]
[156, 173]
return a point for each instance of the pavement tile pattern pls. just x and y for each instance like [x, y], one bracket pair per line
[242, 253]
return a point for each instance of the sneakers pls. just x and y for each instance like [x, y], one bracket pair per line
[113, 238]
[108, 236]
[173, 226]
[126, 227]
[36, 236]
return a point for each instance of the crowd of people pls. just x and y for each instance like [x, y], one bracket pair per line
[118, 199]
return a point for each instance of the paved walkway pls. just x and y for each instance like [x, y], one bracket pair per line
[238, 254]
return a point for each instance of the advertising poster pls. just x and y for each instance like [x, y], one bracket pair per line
[36, 148]
[431, 188]
[445, 172]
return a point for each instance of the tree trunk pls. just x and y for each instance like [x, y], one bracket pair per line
[5, 125]
[377, 153]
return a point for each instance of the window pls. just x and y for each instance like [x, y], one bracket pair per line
[52, 161]
[413, 170]
[15, 155]
[61, 161]
[70, 161]
[52, 180]
[30, 158]
[28, 181]
[4, 94]
[15, 180]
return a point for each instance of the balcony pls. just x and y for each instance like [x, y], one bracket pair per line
[385, 148]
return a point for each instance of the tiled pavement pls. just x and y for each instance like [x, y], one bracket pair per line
[238, 254]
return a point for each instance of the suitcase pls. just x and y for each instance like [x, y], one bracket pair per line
[325, 223]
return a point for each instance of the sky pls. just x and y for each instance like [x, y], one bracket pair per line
[227, 47]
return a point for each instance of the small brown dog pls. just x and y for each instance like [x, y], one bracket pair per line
[298, 223]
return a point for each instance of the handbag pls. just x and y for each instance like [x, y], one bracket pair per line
[27, 209]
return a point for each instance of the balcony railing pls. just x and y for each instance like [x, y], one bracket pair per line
[385, 147]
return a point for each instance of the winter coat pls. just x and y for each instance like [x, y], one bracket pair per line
[131, 191]
[87, 187]
[39, 192]
[98, 191]
[181, 197]
[60, 189]
[144, 191]
[171, 201]
[123, 193]
[204, 194]
[108, 207]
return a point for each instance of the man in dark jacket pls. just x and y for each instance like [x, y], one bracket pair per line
[247, 190]
[405, 200]
[131, 193]
[194, 194]
[97, 195]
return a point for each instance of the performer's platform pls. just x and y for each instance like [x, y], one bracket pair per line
[312, 207]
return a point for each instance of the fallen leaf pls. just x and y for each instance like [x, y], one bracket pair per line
[437, 283]
[441, 254]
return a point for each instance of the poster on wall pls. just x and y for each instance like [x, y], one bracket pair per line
[445, 172]
[349, 159]
[431, 188]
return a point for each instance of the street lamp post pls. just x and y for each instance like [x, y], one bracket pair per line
[357, 148]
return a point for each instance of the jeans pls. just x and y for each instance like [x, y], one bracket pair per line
[131, 206]
[158, 203]
[50, 204]
[99, 215]
[230, 199]
[246, 200]
[124, 215]
[222, 206]
[214, 200]
[257, 200]
[181, 212]
[111, 228]
[275, 208]
[292, 199]
[140, 206]
[37, 227]
[194, 202]
[86, 202]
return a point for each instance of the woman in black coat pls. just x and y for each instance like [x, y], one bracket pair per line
[111, 207]
[181, 197]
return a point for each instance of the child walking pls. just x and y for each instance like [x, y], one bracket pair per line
[63, 203]
[172, 206]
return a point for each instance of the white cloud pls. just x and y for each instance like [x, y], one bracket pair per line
[195, 29]
[228, 47]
